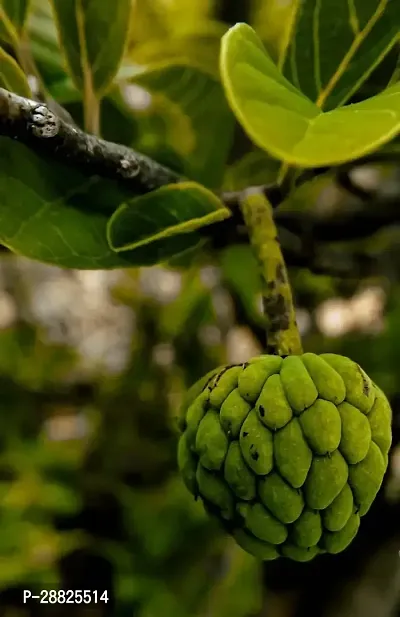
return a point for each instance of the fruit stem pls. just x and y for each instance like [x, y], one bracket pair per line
[283, 337]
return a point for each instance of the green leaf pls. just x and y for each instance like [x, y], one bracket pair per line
[44, 43]
[12, 77]
[55, 214]
[16, 11]
[382, 76]
[336, 44]
[8, 32]
[195, 119]
[169, 211]
[274, 21]
[253, 169]
[285, 123]
[241, 273]
[199, 49]
[93, 34]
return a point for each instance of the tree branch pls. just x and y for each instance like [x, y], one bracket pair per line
[35, 125]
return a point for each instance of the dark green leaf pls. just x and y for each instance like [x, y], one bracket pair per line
[336, 44]
[12, 77]
[93, 34]
[16, 11]
[8, 32]
[169, 211]
[241, 272]
[195, 119]
[52, 213]
[13, 14]
[288, 125]
[44, 43]
[382, 76]
[253, 169]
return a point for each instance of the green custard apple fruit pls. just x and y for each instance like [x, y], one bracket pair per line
[288, 452]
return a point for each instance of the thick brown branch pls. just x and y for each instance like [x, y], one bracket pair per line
[35, 125]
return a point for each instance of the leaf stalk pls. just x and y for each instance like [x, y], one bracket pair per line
[283, 337]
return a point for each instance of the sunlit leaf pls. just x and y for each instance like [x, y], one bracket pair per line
[288, 125]
[93, 35]
[336, 44]
[163, 21]
[169, 211]
[12, 77]
[199, 50]
[274, 21]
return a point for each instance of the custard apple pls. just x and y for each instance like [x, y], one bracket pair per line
[287, 452]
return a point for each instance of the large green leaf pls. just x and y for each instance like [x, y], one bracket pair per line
[336, 44]
[287, 124]
[93, 34]
[55, 214]
[195, 119]
[169, 211]
[12, 77]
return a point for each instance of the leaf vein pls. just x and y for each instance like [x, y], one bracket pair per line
[350, 53]
[353, 17]
[316, 32]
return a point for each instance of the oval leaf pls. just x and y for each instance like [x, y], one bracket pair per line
[12, 77]
[336, 44]
[169, 211]
[55, 214]
[285, 123]
[93, 34]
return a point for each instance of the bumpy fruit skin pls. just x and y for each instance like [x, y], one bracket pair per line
[288, 453]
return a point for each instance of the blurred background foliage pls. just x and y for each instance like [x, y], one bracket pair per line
[94, 365]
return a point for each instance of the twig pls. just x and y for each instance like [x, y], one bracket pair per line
[36, 126]
[283, 337]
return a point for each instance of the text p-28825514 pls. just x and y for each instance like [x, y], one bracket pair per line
[66, 596]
